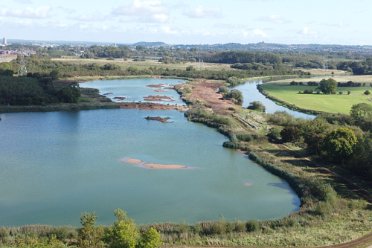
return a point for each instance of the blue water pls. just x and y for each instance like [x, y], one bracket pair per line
[134, 90]
[54, 166]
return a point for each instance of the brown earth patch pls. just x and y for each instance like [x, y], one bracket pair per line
[207, 92]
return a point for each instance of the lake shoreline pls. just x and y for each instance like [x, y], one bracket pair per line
[96, 101]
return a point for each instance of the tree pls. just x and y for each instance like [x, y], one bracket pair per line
[339, 144]
[328, 86]
[314, 133]
[89, 235]
[361, 112]
[150, 239]
[124, 233]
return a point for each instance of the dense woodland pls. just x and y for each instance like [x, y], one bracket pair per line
[36, 89]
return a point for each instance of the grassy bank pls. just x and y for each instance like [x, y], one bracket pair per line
[316, 103]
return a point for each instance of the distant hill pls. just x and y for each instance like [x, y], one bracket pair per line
[150, 44]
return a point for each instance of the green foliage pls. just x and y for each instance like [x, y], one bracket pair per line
[328, 86]
[252, 226]
[223, 90]
[234, 81]
[257, 105]
[235, 95]
[339, 144]
[6, 72]
[274, 134]
[69, 94]
[367, 92]
[89, 235]
[21, 91]
[291, 133]
[36, 89]
[123, 233]
[150, 239]
[314, 133]
[281, 118]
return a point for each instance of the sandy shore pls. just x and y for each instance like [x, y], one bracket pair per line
[153, 166]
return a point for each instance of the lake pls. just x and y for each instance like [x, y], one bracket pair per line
[56, 165]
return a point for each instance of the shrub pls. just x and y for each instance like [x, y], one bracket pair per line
[252, 226]
[290, 133]
[235, 95]
[367, 92]
[124, 233]
[257, 105]
[274, 134]
[150, 239]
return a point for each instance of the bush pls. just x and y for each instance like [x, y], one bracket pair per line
[150, 239]
[213, 228]
[256, 105]
[252, 226]
[290, 134]
[281, 118]
[274, 134]
[235, 95]
[367, 92]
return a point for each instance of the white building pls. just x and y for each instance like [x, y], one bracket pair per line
[4, 42]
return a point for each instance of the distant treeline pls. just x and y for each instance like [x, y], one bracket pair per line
[339, 84]
[42, 65]
[357, 67]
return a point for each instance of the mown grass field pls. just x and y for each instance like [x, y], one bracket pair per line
[319, 102]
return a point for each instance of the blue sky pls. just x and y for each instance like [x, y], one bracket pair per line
[189, 21]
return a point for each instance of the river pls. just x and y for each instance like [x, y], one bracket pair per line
[251, 93]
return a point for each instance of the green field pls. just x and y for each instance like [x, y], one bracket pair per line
[318, 102]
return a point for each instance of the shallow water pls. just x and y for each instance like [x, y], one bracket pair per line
[54, 166]
[134, 90]
[251, 93]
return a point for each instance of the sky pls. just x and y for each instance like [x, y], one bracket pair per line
[189, 21]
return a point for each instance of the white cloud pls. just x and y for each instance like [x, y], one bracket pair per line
[277, 19]
[203, 12]
[251, 33]
[259, 32]
[144, 10]
[32, 13]
[306, 31]
[23, 1]
[168, 30]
